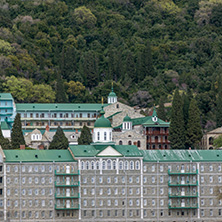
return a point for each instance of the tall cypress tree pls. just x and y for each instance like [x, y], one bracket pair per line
[219, 103]
[60, 91]
[194, 132]
[177, 131]
[17, 138]
[161, 110]
[59, 141]
[4, 142]
[85, 137]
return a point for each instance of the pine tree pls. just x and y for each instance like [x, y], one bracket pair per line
[194, 132]
[177, 131]
[4, 142]
[85, 137]
[219, 104]
[59, 141]
[161, 110]
[17, 138]
[60, 91]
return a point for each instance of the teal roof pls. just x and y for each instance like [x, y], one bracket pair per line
[110, 117]
[68, 107]
[102, 122]
[4, 126]
[127, 119]
[182, 155]
[158, 123]
[92, 151]
[6, 96]
[154, 112]
[112, 94]
[38, 156]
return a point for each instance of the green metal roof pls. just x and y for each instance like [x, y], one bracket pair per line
[182, 155]
[4, 126]
[110, 117]
[6, 96]
[38, 156]
[52, 107]
[158, 123]
[127, 119]
[112, 94]
[92, 151]
[102, 122]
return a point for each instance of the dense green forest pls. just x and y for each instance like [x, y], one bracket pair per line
[71, 50]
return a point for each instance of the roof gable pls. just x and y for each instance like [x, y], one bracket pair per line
[109, 151]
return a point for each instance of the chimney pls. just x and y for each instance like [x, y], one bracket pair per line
[41, 147]
[22, 147]
[47, 128]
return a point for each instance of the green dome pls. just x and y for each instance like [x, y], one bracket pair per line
[127, 119]
[112, 94]
[102, 122]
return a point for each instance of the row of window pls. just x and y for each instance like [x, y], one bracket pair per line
[110, 165]
[30, 180]
[109, 213]
[30, 169]
[137, 143]
[30, 192]
[115, 179]
[31, 214]
[58, 115]
[28, 203]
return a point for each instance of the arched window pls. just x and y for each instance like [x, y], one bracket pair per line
[137, 165]
[33, 136]
[138, 143]
[109, 164]
[165, 146]
[120, 142]
[159, 146]
[97, 165]
[120, 165]
[104, 135]
[98, 136]
[130, 142]
[211, 141]
[126, 165]
[153, 146]
[87, 165]
[117, 106]
[131, 165]
[92, 165]
[82, 165]
[114, 164]
[110, 136]
[104, 165]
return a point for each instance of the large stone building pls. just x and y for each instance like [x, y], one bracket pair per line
[108, 182]
[208, 138]
[40, 121]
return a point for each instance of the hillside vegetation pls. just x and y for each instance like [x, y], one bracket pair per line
[69, 51]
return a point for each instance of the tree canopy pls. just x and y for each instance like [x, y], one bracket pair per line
[59, 142]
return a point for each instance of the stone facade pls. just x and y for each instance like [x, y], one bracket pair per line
[208, 138]
[113, 188]
[120, 110]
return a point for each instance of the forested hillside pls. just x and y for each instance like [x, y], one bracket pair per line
[70, 50]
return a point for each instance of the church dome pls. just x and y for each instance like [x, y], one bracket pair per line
[112, 94]
[102, 122]
[127, 119]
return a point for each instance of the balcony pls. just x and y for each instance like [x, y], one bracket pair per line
[65, 184]
[181, 183]
[183, 206]
[67, 173]
[183, 195]
[63, 196]
[67, 207]
[182, 172]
